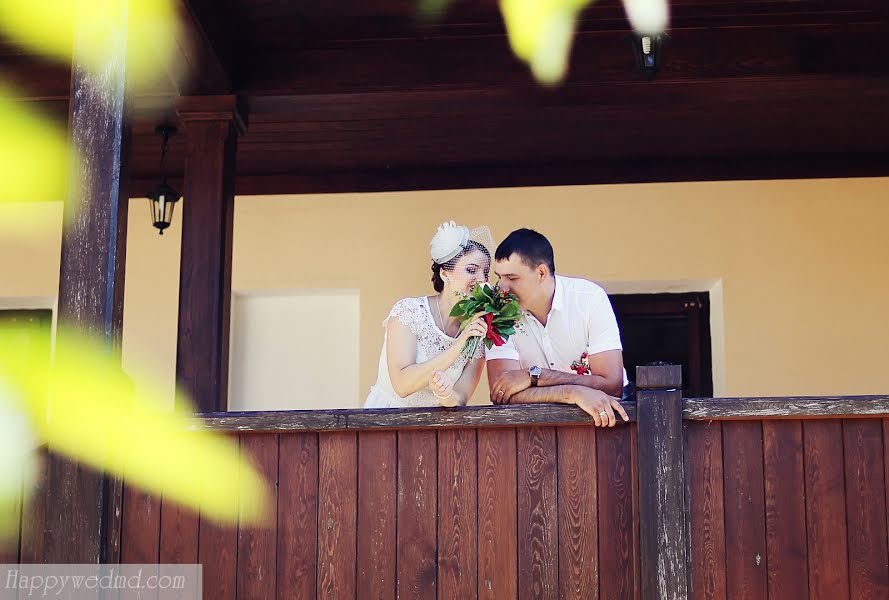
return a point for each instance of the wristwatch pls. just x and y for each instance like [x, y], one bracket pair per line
[534, 372]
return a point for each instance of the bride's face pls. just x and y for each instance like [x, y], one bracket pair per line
[471, 268]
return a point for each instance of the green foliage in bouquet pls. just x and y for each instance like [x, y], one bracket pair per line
[501, 313]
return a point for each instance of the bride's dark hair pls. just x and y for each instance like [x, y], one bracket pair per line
[437, 281]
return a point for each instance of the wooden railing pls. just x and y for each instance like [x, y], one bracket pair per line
[702, 498]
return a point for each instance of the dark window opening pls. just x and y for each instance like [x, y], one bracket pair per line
[669, 328]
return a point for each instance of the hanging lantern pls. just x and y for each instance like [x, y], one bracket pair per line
[163, 197]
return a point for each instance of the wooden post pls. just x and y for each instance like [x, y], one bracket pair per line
[663, 511]
[82, 506]
[212, 126]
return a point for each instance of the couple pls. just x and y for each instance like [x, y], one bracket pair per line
[568, 326]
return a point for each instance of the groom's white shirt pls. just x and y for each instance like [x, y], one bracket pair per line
[580, 320]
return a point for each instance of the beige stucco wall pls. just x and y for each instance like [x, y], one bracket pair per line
[799, 270]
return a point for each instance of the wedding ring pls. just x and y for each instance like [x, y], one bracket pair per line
[603, 414]
[500, 393]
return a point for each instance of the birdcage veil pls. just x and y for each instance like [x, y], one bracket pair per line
[451, 239]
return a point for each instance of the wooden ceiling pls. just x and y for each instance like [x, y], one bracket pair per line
[362, 95]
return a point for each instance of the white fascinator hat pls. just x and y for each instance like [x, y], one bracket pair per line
[451, 239]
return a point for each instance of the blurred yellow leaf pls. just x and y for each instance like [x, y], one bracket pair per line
[34, 155]
[541, 31]
[48, 27]
[85, 407]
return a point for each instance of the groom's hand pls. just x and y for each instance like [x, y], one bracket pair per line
[509, 384]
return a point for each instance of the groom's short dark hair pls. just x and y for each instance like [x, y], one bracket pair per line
[532, 247]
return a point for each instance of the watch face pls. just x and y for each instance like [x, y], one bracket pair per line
[534, 371]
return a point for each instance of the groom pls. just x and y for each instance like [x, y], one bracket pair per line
[569, 328]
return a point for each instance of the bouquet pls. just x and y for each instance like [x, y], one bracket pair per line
[502, 314]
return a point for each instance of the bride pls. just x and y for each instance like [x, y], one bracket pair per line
[421, 362]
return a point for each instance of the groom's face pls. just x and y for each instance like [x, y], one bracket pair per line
[517, 277]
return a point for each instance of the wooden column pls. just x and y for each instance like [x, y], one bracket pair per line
[82, 516]
[212, 125]
[663, 512]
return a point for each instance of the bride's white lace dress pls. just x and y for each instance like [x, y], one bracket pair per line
[417, 316]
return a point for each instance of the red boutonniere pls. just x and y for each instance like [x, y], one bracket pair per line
[582, 366]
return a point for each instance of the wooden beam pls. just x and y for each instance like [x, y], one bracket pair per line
[725, 409]
[544, 414]
[806, 126]
[81, 519]
[408, 418]
[599, 57]
[663, 514]
[568, 173]
[200, 52]
[212, 127]
[565, 173]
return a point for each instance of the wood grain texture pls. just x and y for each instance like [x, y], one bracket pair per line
[826, 510]
[403, 418]
[218, 549]
[417, 509]
[699, 409]
[297, 515]
[141, 526]
[663, 514]
[257, 546]
[218, 555]
[706, 511]
[179, 534]
[80, 526]
[785, 504]
[457, 515]
[337, 514]
[745, 520]
[791, 408]
[497, 525]
[377, 509]
[618, 542]
[866, 508]
[205, 272]
[578, 530]
[658, 377]
[537, 513]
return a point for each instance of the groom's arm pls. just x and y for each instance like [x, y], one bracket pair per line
[593, 401]
[508, 377]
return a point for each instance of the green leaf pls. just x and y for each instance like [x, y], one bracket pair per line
[510, 309]
[505, 319]
[459, 309]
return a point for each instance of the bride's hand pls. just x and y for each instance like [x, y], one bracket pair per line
[476, 328]
[442, 388]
